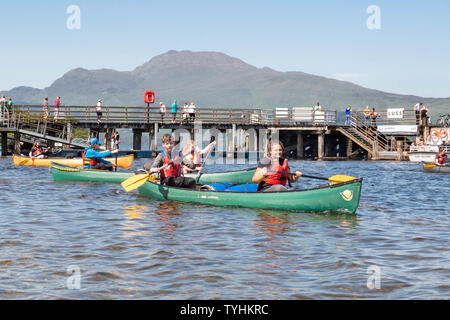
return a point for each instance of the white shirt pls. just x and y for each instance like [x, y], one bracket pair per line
[162, 108]
[99, 106]
[417, 107]
[191, 108]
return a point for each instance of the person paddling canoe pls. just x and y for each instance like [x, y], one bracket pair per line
[38, 152]
[441, 157]
[92, 158]
[273, 173]
[171, 175]
[193, 154]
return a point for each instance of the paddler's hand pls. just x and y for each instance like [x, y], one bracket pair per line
[199, 168]
[154, 170]
[298, 173]
[115, 151]
[264, 171]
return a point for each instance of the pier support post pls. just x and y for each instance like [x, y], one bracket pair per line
[4, 144]
[299, 145]
[107, 139]
[17, 142]
[375, 150]
[155, 137]
[349, 147]
[399, 151]
[137, 138]
[320, 146]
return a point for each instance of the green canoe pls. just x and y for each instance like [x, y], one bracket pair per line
[65, 173]
[341, 197]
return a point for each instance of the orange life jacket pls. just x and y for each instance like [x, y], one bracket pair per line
[173, 170]
[277, 178]
[89, 161]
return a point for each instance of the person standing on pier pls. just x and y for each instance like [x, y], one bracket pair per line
[174, 111]
[424, 115]
[348, 113]
[366, 112]
[185, 113]
[56, 105]
[45, 108]
[92, 157]
[99, 111]
[3, 104]
[162, 111]
[192, 112]
[10, 105]
[373, 117]
[417, 108]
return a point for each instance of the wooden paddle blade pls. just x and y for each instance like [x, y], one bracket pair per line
[339, 178]
[429, 165]
[134, 182]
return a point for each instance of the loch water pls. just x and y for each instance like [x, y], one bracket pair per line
[76, 240]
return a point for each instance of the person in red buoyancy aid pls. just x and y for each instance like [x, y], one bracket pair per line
[38, 152]
[172, 174]
[193, 154]
[441, 157]
[273, 172]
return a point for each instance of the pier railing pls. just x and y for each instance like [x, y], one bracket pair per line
[129, 115]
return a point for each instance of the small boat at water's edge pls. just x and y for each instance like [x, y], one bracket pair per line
[123, 161]
[341, 198]
[427, 167]
[65, 173]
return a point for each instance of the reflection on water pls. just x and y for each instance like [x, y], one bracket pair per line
[130, 247]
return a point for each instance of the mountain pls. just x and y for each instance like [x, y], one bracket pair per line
[213, 79]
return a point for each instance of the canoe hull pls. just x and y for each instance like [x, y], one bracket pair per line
[123, 162]
[438, 169]
[65, 173]
[340, 198]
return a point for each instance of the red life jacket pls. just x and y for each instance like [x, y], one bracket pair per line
[173, 170]
[277, 178]
[89, 161]
[441, 159]
[37, 151]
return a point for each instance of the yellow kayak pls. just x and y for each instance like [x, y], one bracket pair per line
[123, 162]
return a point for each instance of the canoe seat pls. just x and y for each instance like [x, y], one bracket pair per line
[229, 187]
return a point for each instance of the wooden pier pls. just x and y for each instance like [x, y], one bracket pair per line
[306, 134]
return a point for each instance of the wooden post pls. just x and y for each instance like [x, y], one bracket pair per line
[375, 150]
[300, 145]
[320, 146]
[349, 147]
[399, 151]
[4, 144]
[155, 137]
[137, 138]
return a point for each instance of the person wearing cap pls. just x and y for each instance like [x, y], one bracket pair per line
[93, 158]
[99, 111]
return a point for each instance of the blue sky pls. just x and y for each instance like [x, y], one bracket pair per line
[410, 54]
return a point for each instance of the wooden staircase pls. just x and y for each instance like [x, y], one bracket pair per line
[367, 137]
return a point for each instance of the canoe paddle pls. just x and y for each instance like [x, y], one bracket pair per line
[203, 163]
[138, 180]
[339, 178]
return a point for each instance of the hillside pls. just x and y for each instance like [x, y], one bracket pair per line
[213, 79]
